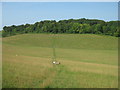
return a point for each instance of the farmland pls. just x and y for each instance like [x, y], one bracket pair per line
[87, 61]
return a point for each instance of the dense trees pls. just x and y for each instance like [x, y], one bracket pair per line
[80, 26]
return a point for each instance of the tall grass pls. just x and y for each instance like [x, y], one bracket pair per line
[87, 61]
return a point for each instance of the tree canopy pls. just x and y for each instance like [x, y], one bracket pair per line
[80, 26]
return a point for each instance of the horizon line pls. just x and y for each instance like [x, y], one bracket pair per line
[60, 20]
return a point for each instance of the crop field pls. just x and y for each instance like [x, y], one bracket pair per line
[87, 61]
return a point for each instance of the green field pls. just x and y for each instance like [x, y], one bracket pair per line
[0, 61]
[87, 61]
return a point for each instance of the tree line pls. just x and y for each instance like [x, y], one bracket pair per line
[76, 26]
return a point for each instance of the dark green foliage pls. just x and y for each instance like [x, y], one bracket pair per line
[81, 26]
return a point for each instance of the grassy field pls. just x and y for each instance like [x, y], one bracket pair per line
[87, 61]
[0, 62]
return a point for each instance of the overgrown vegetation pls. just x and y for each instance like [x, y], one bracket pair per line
[81, 26]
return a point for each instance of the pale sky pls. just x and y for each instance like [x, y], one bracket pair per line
[17, 13]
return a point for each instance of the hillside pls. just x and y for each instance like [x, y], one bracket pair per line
[87, 61]
[73, 41]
